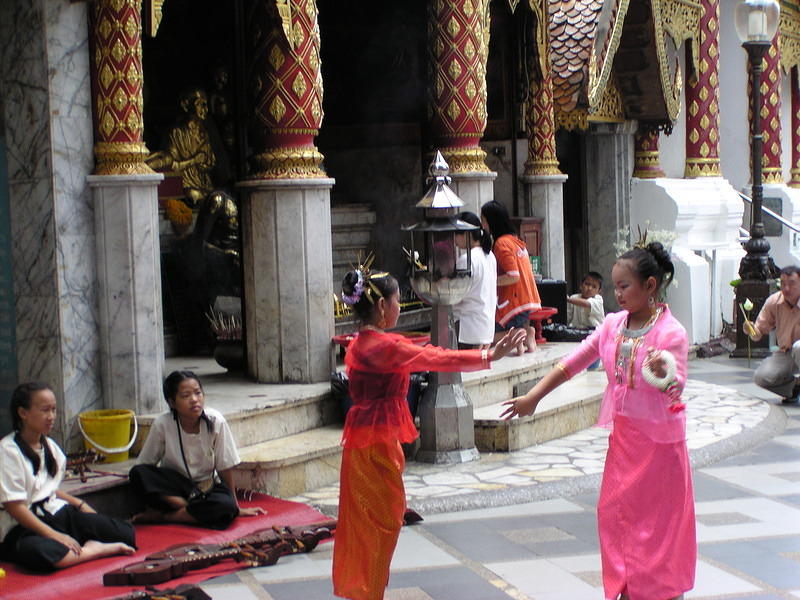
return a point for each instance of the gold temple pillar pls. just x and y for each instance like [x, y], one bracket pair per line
[116, 70]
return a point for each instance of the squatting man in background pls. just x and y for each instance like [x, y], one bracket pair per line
[780, 312]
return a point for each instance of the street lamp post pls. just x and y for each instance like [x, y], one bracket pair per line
[441, 277]
[756, 25]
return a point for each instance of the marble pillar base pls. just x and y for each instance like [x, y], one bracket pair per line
[544, 197]
[287, 257]
[474, 189]
[129, 281]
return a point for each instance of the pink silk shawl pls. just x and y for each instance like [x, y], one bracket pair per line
[646, 406]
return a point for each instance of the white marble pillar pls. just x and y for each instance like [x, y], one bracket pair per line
[474, 189]
[129, 282]
[44, 81]
[286, 242]
[608, 168]
[544, 197]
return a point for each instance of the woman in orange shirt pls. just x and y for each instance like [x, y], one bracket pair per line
[517, 295]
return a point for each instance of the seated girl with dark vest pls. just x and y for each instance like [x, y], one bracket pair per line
[41, 527]
[185, 469]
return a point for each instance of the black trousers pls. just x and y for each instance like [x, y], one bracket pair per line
[216, 509]
[39, 553]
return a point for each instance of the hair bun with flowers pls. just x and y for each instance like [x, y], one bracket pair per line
[358, 282]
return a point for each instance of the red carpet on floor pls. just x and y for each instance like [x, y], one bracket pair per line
[85, 581]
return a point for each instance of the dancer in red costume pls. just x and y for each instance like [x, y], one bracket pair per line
[372, 497]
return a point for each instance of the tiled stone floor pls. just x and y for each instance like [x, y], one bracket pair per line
[748, 508]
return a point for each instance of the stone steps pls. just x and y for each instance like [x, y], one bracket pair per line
[351, 233]
[292, 465]
[260, 412]
[573, 406]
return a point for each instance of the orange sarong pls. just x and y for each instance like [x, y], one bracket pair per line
[372, 501]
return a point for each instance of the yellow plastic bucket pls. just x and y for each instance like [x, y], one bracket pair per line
[108, 432]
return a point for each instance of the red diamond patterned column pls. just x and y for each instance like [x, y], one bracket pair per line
[702, 100]
[117, 88]
[646, 158]
[286, 84]
[458, 32]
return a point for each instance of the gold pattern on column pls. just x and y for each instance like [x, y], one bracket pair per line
[459, 48]
[117, 87]
[702, 98]
[770, 114]
[795, 170]
[542, 159]
[287, 89]
[647, 163]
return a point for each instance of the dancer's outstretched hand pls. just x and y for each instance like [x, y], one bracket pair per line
[518, 407]
[507, 343]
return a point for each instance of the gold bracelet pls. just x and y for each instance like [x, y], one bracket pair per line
[564, 370]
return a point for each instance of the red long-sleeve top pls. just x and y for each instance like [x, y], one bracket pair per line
[378, 367]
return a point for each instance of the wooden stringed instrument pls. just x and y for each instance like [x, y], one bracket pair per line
[261, 548]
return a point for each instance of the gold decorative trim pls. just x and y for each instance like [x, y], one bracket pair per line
[598, 81]
[121, 158]
[465, 160]
[671, 89]
[610, 108]
[541, 33]
[681, 20]
[794, 182]
[295, 131]
[647, 165]
[288, 163]
[773, 175]
[789, 38]
[284, 8]
[542, 167]
[572, 120]
[702, 167]
[153, 13]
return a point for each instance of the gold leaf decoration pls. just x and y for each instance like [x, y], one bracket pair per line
[277, 109]
[299, 85]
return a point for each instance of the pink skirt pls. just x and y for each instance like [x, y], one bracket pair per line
[645, 517]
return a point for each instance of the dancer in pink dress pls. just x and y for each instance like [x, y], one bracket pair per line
[645, 513]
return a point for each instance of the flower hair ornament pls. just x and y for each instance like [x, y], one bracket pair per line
[642, 241]
[364, 284]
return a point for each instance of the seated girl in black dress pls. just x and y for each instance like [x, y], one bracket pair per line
[41, 527]
[185, 469]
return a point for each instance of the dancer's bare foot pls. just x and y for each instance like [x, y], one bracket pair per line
[149, 515]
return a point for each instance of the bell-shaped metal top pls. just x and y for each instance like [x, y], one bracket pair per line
[439, 194]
